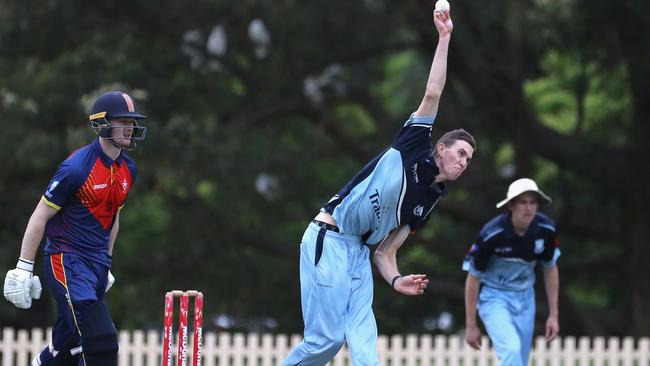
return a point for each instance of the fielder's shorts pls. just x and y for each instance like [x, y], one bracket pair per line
[336, 294]
[509, 318]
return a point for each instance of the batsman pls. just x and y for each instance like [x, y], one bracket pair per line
[79, 215]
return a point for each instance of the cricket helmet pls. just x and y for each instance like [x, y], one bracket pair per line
[113, 105]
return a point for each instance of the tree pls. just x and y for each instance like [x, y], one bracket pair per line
[259, 111]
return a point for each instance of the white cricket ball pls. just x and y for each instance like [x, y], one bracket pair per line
[442, 5]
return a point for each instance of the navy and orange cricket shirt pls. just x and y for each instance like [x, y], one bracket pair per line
[87, 190]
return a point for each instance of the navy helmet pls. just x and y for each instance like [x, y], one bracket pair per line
[116, 105]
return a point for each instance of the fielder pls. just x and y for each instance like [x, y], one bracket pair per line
[501, 275]
[392, 196]
[79, 214]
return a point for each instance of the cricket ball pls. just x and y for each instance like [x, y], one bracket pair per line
[442, 5]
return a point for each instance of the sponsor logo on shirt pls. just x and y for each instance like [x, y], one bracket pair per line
[336, 196]
[374, 201]
[414, 170]
[503, 250]
[417, 211]
[48, 194]
[539, 246]
[100, 186]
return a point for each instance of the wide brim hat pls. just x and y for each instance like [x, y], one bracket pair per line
[520, 186]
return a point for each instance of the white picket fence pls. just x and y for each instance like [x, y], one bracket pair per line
[138, 348]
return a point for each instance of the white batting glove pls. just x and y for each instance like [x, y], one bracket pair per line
[111, 280]
[19, 283]
[36, 289]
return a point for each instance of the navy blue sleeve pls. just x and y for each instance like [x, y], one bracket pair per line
[551, 242]
[479, 254]
[419, 223]
[66, 182]
[482, 251]
[551, 252]
[415, 136]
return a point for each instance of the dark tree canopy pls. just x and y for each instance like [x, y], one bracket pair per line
[259, 111]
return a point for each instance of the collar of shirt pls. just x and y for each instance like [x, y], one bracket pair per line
[440, 188]
[509, 229]
[428, 171]
[105, 158]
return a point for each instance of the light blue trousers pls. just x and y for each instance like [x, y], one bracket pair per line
[336, 294]
[509, 318]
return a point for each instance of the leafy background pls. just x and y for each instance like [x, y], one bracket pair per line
[260, 110]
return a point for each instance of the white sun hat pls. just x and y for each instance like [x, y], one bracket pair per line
[520, 186]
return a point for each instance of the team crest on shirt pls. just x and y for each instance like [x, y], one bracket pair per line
[417, 211]
[539, 246]
[125, 185]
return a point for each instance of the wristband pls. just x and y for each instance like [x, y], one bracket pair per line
[25, 265]
[392, 283]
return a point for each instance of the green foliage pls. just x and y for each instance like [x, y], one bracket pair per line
[355, 121]
[241, 153]
[607, 99]
[590, 297]
[404, 70]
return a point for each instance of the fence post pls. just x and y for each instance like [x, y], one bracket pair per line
[210, 349]
[628, 351]
[426, 345]
[598, 351]
[8, 346]
[613, 350]
[643, 351]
